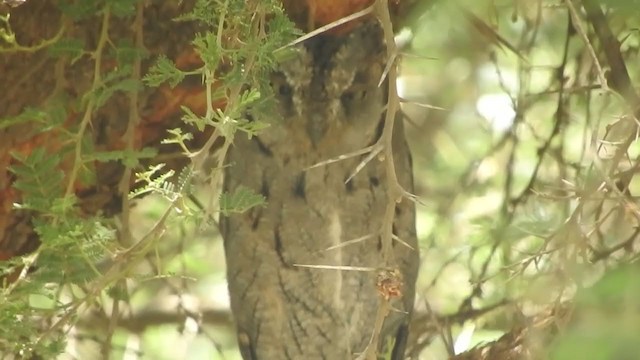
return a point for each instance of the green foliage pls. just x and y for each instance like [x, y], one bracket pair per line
[129, 158]
[122, 8]
[79, 10]
[155, 181]
[622, 5]
[72, 246]
[39, 178]
[164, 71]
[240, 201]
[179, 138]
[126, 52]
[71, 47]
[28, 115]
[6, 34]
[208, 47]
[606, 320]
[206, 12]
[50, 116]
[117, 80]
[191, 118]
[252, 128]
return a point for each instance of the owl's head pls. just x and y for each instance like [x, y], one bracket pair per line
[328, 94]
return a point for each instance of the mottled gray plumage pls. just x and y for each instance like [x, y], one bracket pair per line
[329, 104]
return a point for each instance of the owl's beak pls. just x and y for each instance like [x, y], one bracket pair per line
[316, 128]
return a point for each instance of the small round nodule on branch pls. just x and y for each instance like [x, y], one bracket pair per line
[389, 283]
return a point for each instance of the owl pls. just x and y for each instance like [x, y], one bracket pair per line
[287, 301]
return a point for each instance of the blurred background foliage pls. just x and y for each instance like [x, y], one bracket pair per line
[528, 173]
[524, 161]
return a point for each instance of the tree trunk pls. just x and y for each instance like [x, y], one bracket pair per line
[329, 104]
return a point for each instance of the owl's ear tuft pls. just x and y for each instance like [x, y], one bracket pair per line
[363, 43]
[359, 61]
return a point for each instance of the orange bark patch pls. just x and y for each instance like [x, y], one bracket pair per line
[312, 14]
[327, 11]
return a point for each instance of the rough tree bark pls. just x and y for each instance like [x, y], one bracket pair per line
[329, 104]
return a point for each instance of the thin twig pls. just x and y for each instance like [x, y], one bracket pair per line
[395, 192]
[88, 113]
[129, 136]
[578, 26]
[371, 351]
[328, 27]
[350, 155]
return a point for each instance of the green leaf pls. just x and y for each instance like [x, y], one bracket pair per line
[57, 113]
[191, 118]
[78, 10]
[122, 8]
[622, 5]
[177, 137]
[28, 115]
[208, 48]
[129, 158]
[154, 181]
[249, 97]
[64, 205]
[252, 128]
[117, 74]
[112, 82]
[126, 52]
[164, 71]
[6, 34]
[71, 47]
[39, 178]
[241, 200]
[204, 10]
[184, 179]
[105, 93]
